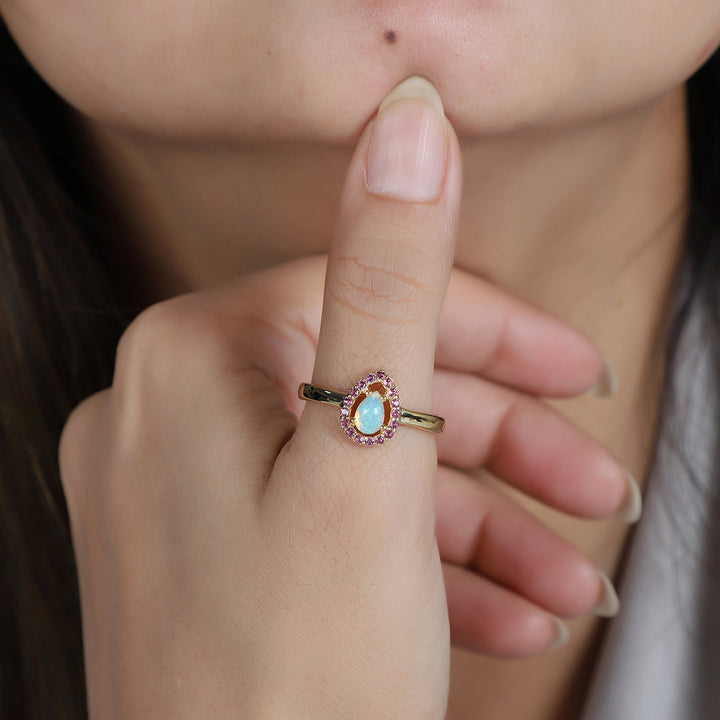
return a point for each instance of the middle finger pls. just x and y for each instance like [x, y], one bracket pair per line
[524, 442]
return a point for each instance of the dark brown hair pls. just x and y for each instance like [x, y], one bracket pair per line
[63, 307]
[61, 315]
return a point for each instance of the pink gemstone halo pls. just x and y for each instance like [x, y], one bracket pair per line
[350, 417]
[370, 413]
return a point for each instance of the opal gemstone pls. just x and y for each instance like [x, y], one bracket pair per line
[370, 414]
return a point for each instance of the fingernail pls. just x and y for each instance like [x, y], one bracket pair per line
[609, 604]
[606, 386]
[562, 634]
[408, 147]
[631, 511]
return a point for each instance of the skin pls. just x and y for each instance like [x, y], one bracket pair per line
[227, 143]
[249, 70]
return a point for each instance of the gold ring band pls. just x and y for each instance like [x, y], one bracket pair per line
[371, 413]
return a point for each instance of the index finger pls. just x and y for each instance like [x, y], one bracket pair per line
[390, 260]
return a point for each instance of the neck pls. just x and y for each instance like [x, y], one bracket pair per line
[559, 216]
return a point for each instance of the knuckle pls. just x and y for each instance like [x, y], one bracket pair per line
[79, 433]
[389, 284]
[141, 338]
[173, 340]
[78, 429]
[173, 354]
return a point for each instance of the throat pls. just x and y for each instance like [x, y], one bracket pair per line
[551, 687]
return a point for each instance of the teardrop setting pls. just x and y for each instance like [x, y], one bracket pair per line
[371, 412]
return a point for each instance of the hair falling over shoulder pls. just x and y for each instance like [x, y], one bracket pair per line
[60, 319]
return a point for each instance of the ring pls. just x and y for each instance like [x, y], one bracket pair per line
[370, 413]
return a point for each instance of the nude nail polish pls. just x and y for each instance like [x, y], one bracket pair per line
[606, 386]
[609, 604]
[408, 147]
[631, 511]
[562, 634]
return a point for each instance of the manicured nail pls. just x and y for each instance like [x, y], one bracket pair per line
[631, 511]
[408, 147]
[609, 604]
[606, 386]
[562, 634]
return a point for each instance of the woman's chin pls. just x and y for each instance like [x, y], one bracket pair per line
[321, 73]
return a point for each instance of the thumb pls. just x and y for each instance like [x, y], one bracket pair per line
[390, 261]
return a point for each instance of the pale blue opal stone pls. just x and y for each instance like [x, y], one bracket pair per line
[370, 414]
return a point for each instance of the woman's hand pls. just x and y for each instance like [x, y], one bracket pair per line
[235, 562]
[504, 570]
